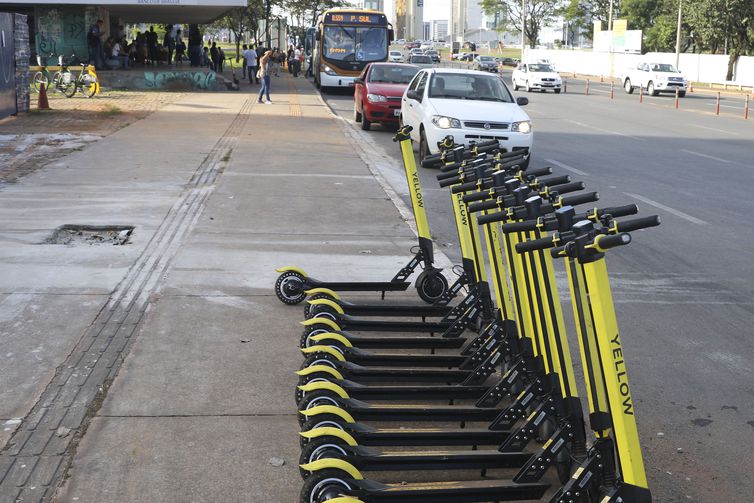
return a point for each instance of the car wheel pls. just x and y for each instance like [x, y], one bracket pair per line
[628, 87]
[557, 91]
[528, 87]
[651, 89]
[423, 146]
[366, 125]
[356, 114]
[681, 94]
[515, 86]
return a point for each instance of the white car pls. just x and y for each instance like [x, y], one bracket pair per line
[415, 52]
[421, 61]
[395, 57]
[656, 78]
[536, 77]
[465, 104]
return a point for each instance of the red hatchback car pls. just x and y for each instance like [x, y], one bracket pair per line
[378, 92]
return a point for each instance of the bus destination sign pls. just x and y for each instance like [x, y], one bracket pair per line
[354, 18]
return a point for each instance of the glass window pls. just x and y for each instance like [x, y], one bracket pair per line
[463, 86]
[422, 85]
[392, 74]
[355, 43]
[541, 67]
[415, 83]
[422, 60]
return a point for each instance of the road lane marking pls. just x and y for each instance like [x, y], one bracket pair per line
[605, 130]
[566, 167]
[715, 129]
[661, 206]
[706, 156]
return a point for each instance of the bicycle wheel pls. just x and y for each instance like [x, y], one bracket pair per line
[57, 79]
[69, 84]
[39, 78]
[88, 85]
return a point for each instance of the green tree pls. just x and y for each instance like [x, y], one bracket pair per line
[538, 14]
[657, 19]
[718, 24]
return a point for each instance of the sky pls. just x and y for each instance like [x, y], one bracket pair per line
[433, 9]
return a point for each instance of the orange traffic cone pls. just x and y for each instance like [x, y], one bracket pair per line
[42, 103]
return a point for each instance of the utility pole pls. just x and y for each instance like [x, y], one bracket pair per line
[523, 28]
[678, 35]
[610, 18]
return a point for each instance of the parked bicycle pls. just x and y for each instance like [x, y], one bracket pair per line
[85, 80]
[45, 77]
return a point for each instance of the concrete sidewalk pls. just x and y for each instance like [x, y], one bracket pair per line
[162, 370]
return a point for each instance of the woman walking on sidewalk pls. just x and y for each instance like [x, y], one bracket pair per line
[265, 68]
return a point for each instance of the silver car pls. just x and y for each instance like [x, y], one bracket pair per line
[485, 64]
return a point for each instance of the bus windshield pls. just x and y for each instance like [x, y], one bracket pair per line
[355, 43]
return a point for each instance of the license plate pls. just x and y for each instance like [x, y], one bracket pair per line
[397, 112]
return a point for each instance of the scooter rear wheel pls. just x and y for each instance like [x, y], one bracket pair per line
[431, 285]
[322, 358]
[306, 337]
[310, 310]
[289, 288]
[322, 421]
[324, 485]
[321, 448]
[319, 397]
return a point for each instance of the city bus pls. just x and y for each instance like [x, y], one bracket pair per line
[345, 41]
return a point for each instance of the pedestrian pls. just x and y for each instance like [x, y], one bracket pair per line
[221, 60]
[180, 47]
[169, 42]
[152, 45]
[275, 62]
[214, 55]
[265, 68]
[94, 44]
[296, 62]
[289, 57]
[250, 57]
[243, 63]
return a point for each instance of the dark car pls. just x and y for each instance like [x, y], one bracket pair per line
[510, 62]
[378, 92]
[433, 54]
[469, 56]
[412, 45]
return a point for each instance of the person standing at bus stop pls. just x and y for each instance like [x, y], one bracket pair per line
[265, 68]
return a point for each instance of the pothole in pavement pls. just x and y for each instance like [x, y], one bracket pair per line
[73, 235]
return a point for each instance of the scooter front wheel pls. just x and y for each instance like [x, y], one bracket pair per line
[431, 285]
[325, 485]
[289, 288]
[321, 448]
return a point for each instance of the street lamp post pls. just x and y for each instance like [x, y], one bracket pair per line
[523, 28]
[678, 35]
[610, 17]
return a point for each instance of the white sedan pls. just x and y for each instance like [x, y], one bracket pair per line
[467, 105]
[536, 76]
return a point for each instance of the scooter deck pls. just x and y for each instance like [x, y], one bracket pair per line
[404, 360]
[394, 309]
[388, 374]
[363, 411]
[368, 459]
[397, 342]
[358, 286]
[370, 325]
[474, 491]
[412, 437]
[407, 392]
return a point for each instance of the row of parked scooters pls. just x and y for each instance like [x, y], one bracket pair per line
[477, 385]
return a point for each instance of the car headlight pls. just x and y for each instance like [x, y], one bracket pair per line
[445, 122]
[328, 70]
[521, 127]
[376, 98]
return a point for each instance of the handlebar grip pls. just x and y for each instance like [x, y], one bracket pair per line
[464, 187]
[484, 205]
[619, 211]
[535, 244]
[450, 167]
[450, 181]
[539, 172]
[567, 187]
[605, 242]
[492, 217]
[476, 196]
[637, 223]
[555, 180]
[588, 197]
[486, 146]
[525, 226]
[449, 174]
[431, 161]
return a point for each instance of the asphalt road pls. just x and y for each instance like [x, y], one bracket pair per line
[683, 290]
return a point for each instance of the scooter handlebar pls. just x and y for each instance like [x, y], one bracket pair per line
[619, 211]
[432, 161]
[484, 205]
[637, 223]
[555, 180]
[535, 244]
[491, 217]
[464, 187]
[605, 242]
[525, 226]
[588, 197]
[567, 187]
[477, 196]
[447, 182]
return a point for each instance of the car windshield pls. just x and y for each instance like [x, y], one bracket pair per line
[662, 67]
[541, 67]
[355, 43]
[395, 53]
[392, 74]
[464, 86]
[421, 59]
[486, 59]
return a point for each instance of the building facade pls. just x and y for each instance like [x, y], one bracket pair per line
[439, 29]
[409, 19]
[372, 4]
